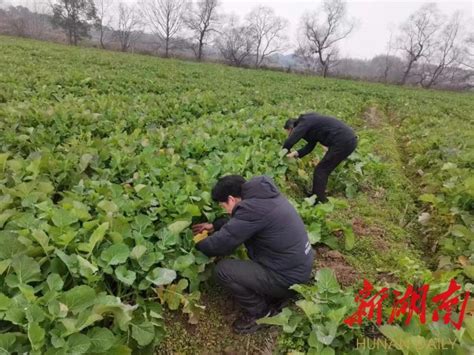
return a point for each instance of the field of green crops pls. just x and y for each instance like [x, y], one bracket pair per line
[106, 159]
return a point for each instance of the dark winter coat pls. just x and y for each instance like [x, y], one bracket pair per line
[270, 228]
[314, 128]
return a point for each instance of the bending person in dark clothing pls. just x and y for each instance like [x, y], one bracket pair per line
[331, 133]
[276, 240]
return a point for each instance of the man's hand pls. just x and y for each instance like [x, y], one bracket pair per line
[292, 155]
[201, 227]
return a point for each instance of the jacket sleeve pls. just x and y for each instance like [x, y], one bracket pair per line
[298, 133]
[306, 149]
[235, 232]
[219, 223]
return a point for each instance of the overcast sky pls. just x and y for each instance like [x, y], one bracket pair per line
[375, 18]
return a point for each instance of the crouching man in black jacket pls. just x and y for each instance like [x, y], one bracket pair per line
[276, 241]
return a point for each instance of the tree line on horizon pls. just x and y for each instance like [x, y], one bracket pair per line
[428, 49]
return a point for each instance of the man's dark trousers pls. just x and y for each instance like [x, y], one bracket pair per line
[253, 286]
[333, 157]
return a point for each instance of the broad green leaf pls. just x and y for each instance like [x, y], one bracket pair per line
[108, 206]
[26, 269]
[35, 313]
[429, 198]
[5, 201]
[183, 262]
[41, 237]
[173, 294]
[69, 260]
[115, 254]
[57, 309]
[349, 238]
[34, 167]
[458, 230]
[283, 152]
[85, 161]
[403, 340]
[314, 233]
[79, 298]
[3, 161]
[336, 315]
[469, 326]
[5, 302]
[81, 211]
[142, 222]
[4, 264]
[118, 350]
[36, 335]
[96, 237]
[148, 260]
[10, 247]
[126, 276]
[193, 210]
[326, 333]
[327, 281]
[78, 344]
[6, 342]
[62, 218]
[308, 307]
[84, 320]
[15, 314]
[313, 341]
[448, 166]
[138, 251]
[328, 351]
[280, 319]
[122, 312]
[143, 333]
[469, 271]
[161, 276]
[55, 282]
[178, 226]
[86, 268]
[102, 339]
[5, 216]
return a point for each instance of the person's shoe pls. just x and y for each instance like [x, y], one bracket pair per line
[319, 202]
[277, 305]
[307, 192]
[247, 323]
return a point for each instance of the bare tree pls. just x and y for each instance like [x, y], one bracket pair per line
[323, 29]
[446, 52]
[74, 17]
[235, 42]
[304, 56]
[467, 60]
[202, 21]
[416, 36]
[128, 26]
[103, 12]
[387, 58]
[17, 21]
[266, 30]
[165, 18]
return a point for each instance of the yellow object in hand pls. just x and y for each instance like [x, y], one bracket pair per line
[201, 236]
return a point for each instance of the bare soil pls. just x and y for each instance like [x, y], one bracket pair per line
[345, 273]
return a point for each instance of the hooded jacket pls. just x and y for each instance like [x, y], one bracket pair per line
[314, 128]
[271, 229]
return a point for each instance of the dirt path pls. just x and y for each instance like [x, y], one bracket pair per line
[213, 334]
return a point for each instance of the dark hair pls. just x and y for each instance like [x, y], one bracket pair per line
[230, 185]
[290, 123]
